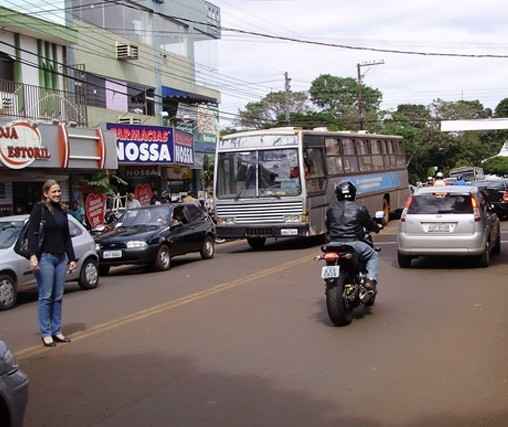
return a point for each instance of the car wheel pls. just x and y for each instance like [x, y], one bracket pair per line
[163, 260]
[104, 269]
[208, 249]
[484, 259]
[8, 294]
[404, 260]
[89, 275]
[496, 250]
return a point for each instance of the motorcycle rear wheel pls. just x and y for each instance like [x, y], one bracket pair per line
[338, 311]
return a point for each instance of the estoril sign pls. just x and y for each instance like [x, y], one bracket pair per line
[20, 145]
[24, 144]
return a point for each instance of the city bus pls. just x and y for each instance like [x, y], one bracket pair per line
[277, 183]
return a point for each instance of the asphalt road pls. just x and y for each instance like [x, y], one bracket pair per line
[244, 340]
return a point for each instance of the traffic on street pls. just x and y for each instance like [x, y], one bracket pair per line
[245, 339]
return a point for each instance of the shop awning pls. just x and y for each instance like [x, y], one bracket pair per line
[182, 95]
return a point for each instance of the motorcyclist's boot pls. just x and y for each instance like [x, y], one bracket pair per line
[371, 285]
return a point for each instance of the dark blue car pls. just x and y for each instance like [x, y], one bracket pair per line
[154, 234]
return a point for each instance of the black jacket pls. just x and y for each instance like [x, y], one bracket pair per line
[345, 221]
[57, 237]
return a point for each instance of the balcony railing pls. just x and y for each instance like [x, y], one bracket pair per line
[22, 101]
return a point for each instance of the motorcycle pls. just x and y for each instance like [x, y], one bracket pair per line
[345, 275]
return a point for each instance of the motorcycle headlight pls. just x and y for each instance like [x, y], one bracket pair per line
[97, 247]
[136, 244]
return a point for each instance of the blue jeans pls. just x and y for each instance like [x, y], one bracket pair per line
[368, 254]
[51, 281]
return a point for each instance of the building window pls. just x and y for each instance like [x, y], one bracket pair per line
[6, 67]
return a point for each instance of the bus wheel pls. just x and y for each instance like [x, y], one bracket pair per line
[256, 243]
[386, 210]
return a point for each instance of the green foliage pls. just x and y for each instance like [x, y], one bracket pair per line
[106, 182]
[496, 165]
[267, 112]
[208, 171]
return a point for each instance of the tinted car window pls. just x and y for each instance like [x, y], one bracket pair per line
[441, 203]
[194, 212]
[492, 185]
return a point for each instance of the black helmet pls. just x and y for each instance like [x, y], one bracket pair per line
[345, 190]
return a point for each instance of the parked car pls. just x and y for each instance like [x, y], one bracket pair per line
[451, 220]
[154, 234]
[13, 389]
[15, 272]
[497, 194]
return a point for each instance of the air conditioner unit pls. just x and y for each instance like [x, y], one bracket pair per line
[126, 51]
[129, 120]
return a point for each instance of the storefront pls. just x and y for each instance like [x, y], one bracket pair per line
[155, 159]
[31, 153]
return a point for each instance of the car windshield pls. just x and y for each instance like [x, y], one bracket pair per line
[441, 203]
[9, 233]
[145, 217]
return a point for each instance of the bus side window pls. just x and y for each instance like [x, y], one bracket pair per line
[314, 161]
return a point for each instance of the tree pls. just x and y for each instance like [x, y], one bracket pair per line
[338, 97]
[497, 165]
[271, 109]
[106, 182]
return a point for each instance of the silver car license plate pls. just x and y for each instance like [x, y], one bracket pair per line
[112, 254]
[330, 272]
[439, 227]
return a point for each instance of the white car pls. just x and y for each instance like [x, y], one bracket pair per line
[15, 273]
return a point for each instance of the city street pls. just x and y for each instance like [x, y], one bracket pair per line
[244, 340]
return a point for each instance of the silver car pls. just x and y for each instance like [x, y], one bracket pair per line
[13, 389]
[450, 220]
[15, 273]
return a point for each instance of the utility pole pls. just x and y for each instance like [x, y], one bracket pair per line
[361, 109]
[287, 88]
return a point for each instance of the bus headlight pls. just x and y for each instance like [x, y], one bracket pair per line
[292, 218]
[226, 220]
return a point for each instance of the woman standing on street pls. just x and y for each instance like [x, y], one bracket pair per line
[50, 263]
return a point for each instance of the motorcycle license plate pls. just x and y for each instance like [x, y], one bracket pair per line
[330, 272]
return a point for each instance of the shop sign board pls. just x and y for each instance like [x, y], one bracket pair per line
[184, 148]
[143, 144]
[144, 193]
[24, 144]
[95, 205]
[20, 145]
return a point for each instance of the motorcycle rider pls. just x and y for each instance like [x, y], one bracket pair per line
[345, 222]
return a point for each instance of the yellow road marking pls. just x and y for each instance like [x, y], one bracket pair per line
[142, 314]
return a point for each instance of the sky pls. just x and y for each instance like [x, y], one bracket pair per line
[369, 30]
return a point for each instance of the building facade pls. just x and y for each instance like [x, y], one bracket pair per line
[104, 65]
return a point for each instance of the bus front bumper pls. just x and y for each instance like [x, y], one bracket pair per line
[258, 230]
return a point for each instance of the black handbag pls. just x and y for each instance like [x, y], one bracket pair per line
[21, 246]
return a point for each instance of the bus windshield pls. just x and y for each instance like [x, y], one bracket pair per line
[258, 173]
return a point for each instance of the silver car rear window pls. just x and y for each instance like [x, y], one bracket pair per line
[441, 203]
